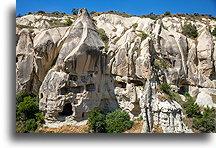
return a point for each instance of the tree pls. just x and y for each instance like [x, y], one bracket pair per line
[96, 121]
[74, 11]
[118, 121]
[167, 13]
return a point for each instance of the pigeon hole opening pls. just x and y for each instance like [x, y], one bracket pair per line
[136, 82]
[120, 84]
[67, 110]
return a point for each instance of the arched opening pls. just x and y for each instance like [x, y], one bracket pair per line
[67, 110]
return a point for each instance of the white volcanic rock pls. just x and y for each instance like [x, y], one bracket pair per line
[74, 72]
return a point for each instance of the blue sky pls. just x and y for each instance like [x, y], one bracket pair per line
[138, 7]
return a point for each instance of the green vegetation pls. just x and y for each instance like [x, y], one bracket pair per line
[191, 108]
[162, 63]
[28, 116]
[165, 88]
[103, 35]
[206, 123]
[114, 122]
[68, 22]
[190, 30]
[104, 38]
[152, 16]
[167, 13]
[214, 32]
[135, 25]
[118, 121]
[143, 36]
[92, 12]
[74, 11]
[96, 121]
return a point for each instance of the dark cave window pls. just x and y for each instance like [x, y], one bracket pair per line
[41, 95]
[137, 82]
[73, 77]
[78, 89]
[90, 87]
[67, 110]
[120, 84]
[64, 91]
[183, 89]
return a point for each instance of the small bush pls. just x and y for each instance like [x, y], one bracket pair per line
[56, 13]
[190, 30]
[152, 16]
[96, 121]
[135, 25]
[92, 12]
[214, 32]
[118, 121]
[68, 22]
[191, 108]
[164, 87]
[28, 117]
[41, 12]
[29, 107]
[114, 122]
[143, 36]
[167, 13]
[206, 123]
[103, 35]
[30, 125]
[161, 63]
[74, 11]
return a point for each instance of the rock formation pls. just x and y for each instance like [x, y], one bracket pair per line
[76, 72]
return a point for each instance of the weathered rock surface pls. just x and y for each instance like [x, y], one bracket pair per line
[75, 72]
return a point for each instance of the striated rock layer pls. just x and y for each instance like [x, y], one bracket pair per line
[75, 72]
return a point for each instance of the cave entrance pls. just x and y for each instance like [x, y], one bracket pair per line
[67, 110]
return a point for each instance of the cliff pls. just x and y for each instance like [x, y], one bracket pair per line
[109, 61]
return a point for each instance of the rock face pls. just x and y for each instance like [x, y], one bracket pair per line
[75, 72]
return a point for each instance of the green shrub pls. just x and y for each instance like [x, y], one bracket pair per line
[20, 97]
[28, 117]
[167, 13]
[118, 121]
[74, 11]
[161, 63]
[143, 36]
[103, 35]
[152, 16]
[190, 30]
[92, 12]
[206, 123]
[135, 25]
[68, 22]
[214, 32]
[29, 107]
[56, 13]
[30, 125]
[96, 121]
[114, 122]
[191, 108]
[164, 87]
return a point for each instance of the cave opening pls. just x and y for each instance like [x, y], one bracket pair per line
[67, 110]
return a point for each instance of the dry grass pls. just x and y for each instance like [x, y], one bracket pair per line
[66, 129]
[157, 129]
[137, 127]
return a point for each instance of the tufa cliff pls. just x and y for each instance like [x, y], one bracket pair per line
[74, 70]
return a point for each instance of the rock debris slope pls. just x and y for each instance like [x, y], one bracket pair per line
[76, 72]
